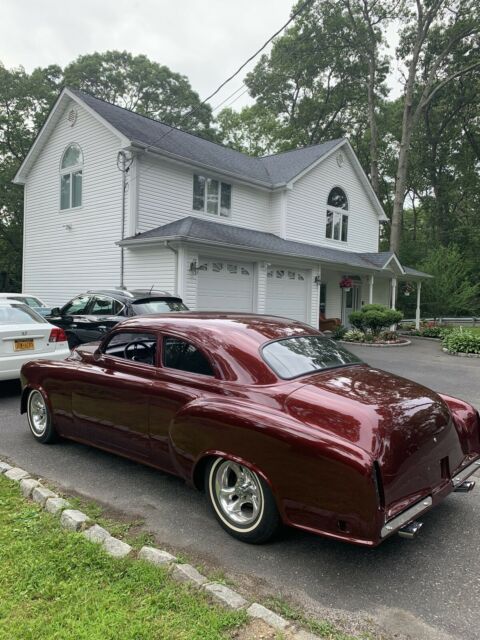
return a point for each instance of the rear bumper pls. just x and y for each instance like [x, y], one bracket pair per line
[423, 505]
[10, 366]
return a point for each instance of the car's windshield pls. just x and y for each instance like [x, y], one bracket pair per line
[293, 357]
[19, 314]
[158, 306]
[30, 300]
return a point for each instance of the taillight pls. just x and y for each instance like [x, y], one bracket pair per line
[57, 335]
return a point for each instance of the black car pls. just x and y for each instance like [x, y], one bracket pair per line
[89, 315]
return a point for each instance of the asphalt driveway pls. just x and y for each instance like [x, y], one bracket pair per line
[429, 587]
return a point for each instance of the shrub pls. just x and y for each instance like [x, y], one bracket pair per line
[374, 318]
[339, 332]
[354, 335]
[389, 336]
[460, 341]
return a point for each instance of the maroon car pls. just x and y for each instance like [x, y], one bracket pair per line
[276, 422]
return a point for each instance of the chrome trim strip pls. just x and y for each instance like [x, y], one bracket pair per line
[406, 516]
[463, 475]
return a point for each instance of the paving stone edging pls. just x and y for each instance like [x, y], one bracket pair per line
[74, 520]
[381, 345]
[458, 354]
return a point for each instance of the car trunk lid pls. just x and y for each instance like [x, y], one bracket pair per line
[25, 339]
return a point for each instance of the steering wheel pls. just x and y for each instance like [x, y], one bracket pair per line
[133, 346]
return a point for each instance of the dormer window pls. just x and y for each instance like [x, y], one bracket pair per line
[71, 177]
[337, 215]
[212, 196]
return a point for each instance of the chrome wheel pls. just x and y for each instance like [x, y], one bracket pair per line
[37, 413]
[238, 493]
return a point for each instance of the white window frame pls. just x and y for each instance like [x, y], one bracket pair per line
[71, 171]
[337, 217]
[205, 198]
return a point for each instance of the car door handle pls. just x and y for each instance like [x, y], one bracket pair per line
[74, 324]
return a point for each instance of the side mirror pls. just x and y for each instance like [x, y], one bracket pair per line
[97, 354]
[55, 311]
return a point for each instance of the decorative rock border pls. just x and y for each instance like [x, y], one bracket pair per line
[74, 520]
[458, 354]
[376, 344]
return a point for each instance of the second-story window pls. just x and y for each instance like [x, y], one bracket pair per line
[337, 215]
[71, 171]
[212, 196]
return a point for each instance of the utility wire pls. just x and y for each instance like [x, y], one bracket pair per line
[230, 78]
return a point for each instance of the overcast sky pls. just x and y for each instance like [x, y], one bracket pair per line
[206, 41]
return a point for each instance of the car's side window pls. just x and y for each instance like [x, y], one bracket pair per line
[103, 306]
[137, 347]
[182, 355]
[77, 306]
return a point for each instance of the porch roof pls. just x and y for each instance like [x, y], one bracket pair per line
[226, 235]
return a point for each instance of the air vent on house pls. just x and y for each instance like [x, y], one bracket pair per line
[72, 117]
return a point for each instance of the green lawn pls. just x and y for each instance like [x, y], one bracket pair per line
[56, 585]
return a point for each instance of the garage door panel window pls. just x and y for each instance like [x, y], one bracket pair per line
[212, 196]
[336, 227]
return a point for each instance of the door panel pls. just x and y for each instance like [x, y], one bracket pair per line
[287, 291]
[225, 285]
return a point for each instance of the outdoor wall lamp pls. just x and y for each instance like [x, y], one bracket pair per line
[318, 280]
[194, 268]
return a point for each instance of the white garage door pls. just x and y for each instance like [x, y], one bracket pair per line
[287, 291]
[225, 285]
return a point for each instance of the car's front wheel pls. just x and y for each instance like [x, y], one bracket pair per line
[39, 418]
[241, 501]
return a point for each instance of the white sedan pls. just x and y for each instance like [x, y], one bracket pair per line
[25, 335]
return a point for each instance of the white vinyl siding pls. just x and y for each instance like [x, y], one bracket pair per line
[72, 250]
[307, 205]
[165, 192]
[153, 266]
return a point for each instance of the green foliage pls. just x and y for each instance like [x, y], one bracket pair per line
[374, 318]
[339, 332]
[460, 340]
[452, 292]
[354, 335]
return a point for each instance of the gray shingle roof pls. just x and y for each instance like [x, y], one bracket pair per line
[192, 228]
[270, 170]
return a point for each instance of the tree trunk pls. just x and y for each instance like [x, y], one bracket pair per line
[372, 118]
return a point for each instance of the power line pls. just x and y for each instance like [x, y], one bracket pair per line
[230, 78]
[230, 96]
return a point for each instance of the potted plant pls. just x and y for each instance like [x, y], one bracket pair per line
[408, 288]
[346, 283]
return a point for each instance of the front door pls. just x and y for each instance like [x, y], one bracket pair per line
[351, 302]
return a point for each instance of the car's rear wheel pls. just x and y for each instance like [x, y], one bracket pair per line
[241, 501]
[39, 418]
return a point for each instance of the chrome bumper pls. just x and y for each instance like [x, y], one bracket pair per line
[466, 473]
[407, 516]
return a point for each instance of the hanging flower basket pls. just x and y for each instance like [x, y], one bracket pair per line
[346, 284]
[408, 289]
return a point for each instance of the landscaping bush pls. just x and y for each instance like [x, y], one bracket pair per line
[460, 341]
[339, 332]
[354, 335]
[374, 318]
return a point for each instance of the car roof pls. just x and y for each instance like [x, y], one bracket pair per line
[132, 295]
[232, 339]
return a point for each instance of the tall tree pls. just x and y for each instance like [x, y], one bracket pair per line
[141, 85]
[435, 32]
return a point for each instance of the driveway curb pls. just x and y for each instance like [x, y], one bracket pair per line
[77, 521]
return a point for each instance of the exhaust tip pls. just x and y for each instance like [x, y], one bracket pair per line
[410, 530]
[465, 487]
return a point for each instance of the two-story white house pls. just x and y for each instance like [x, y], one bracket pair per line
[223, 230]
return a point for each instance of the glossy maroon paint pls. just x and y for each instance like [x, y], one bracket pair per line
[343, 450]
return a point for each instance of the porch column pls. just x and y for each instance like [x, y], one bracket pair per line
[417, 313]
[394, 293]
[371, 280]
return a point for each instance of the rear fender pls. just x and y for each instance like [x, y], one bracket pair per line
[316, 477]
[467, 423]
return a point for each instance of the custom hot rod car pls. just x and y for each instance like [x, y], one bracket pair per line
[276, 422]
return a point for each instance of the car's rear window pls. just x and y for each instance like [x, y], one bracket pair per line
[19, 314]
[297, 356]
[158, 306]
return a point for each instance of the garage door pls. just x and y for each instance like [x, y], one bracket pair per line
[287, 291]
[225, 285]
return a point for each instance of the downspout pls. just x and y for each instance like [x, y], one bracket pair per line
[175, 251]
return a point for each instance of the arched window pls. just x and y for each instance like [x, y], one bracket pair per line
[71, 177]
[337, 215]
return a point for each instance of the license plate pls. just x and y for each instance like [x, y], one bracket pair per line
[24, 345]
